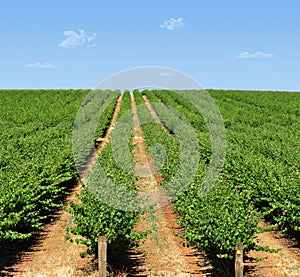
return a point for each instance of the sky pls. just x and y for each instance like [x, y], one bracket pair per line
[220, 44]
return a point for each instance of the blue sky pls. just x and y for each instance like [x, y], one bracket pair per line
[221, 44]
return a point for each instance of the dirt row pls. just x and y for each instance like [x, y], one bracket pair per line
[163, 253]
[286, 262]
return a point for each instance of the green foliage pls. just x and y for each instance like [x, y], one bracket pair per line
[92, 120]
[35, 157]
[264, 151]
[260, 176]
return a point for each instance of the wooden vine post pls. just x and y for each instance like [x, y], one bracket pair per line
[239, 257]
[102, 256]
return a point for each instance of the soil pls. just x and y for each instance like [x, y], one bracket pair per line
[154, 114]
[284, 263]
[52, 255]
[162, 253]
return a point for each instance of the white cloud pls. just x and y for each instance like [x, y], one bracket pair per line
[74, 39]
[172, 23]
[41, 65]
[258, 54]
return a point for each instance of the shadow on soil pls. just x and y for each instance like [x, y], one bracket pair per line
[129, 263]
[219, 268]
[11, 252]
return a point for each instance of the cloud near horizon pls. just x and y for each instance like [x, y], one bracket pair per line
[172, 23]
[258, 54]
[41, 65]
[74, 39]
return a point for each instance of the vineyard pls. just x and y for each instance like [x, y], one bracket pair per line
[259, 180]
[35, 156]
[260, 177]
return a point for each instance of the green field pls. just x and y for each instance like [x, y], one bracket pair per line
[260, 177]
